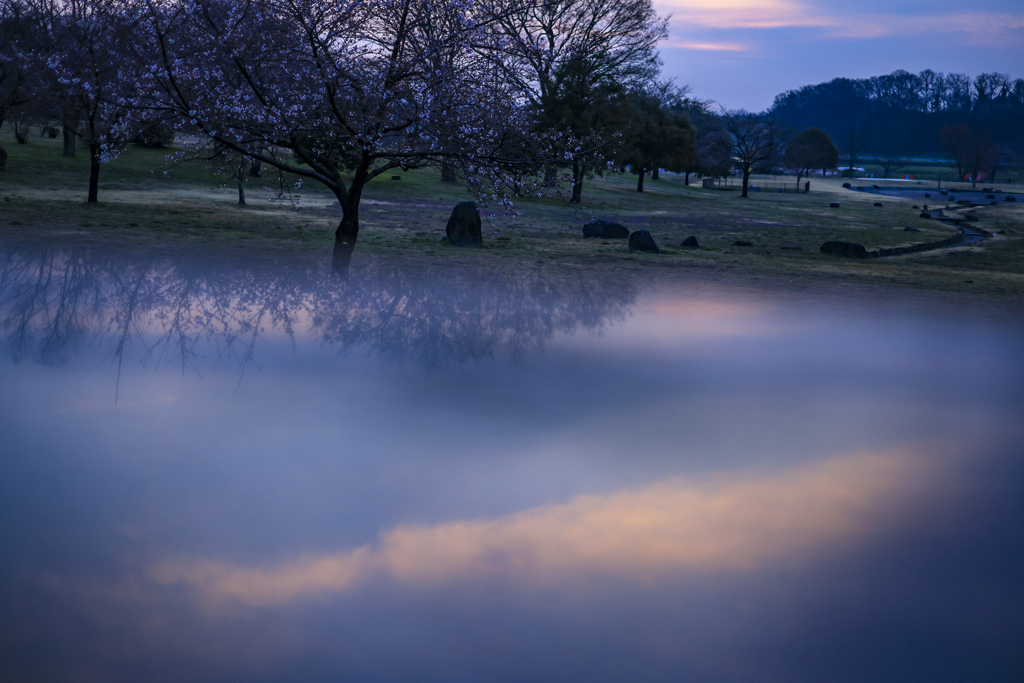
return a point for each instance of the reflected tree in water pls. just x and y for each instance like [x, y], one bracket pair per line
[188, 313]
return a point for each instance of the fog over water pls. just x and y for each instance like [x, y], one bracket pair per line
[214, 472]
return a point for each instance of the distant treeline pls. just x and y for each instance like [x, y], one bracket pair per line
[903, 114]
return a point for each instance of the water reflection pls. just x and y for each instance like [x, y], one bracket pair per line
[52, 301]
[715, 488]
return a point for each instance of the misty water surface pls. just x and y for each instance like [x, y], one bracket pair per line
[252, 473]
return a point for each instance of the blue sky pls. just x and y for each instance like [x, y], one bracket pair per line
[741, 53]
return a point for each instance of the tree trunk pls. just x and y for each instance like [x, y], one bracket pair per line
[654, 173]
[94, 172]
[20, 133]
[550, 175]
[640, 180]
[746, 181]
[686, 178]
[70, 143]
[256, 171]
[447, 173]
[241, 191]
[348, 230]
[577, 183]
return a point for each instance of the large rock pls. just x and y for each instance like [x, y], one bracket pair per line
[641, 240]
[690, 242]
[606, 230]
[851, 249]
[463, 227]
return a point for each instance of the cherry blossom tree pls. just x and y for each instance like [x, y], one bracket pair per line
[14, 67]
[84, 76]
[341, 91]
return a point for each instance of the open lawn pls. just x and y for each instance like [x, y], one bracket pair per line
[42, 197]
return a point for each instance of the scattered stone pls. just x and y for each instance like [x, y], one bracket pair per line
[916, 206]
[846, 185]
[690, 242]
[878, 203]
[834, 205]
[742, 243]
[927, 194]
[990, 196]
[463, 227]
[944, 192]
[875, 187]
[851, 249]
[606, 230]
[911, 230]
[1010, 198]
[641, 240]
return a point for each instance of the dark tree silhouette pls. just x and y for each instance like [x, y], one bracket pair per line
[810, 150]
[757, 141]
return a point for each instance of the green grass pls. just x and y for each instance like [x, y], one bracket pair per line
[42, 197]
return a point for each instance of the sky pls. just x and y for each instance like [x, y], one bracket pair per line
[742, 53]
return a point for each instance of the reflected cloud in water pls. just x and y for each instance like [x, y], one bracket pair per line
[659, 486]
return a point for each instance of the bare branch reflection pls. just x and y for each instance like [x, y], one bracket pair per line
[190, 313]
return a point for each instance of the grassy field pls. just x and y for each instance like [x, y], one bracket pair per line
[145, 202]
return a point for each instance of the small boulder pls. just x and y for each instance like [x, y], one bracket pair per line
[641, 240]
[463, 227]
[878, 203]
[1010, 198]
[846, 185]
[927, 194]
[875, 187]
[690, 242]
[834, 205]
[606, 230]
[851, 249]
[916, 206]
[925, 214]
[742, 243]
